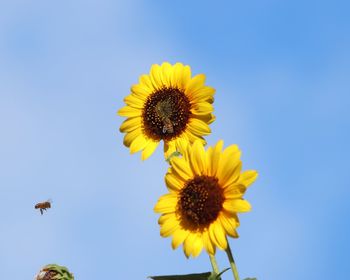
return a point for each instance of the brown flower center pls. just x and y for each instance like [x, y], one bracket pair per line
[200, 202]
[166, 114]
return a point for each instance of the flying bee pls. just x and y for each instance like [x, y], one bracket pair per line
[43, 206]
[164, 111]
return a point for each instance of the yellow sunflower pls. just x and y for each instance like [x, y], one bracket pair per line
[169, 105]
[206, 191]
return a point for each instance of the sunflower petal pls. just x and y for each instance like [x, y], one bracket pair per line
[166, 74]
[229, 224]
[131, 136]
[181, 167]
[149, 149]
[173, 182]
[204, 94]
[209, 245]
[141, 91]
[139, 143]
[220, 235]
[198, 158]
[169, 226]
[198, 127]
[196, 83]
[145, 80]
[128, 111]
[188, 244]
[197, 246]
[247, 177]
[215, 157]
[130, 124]
[166, 204]
[176, 75]
[236, 205]
[185, 77]
[134, 101]
[179, 237]
[155, 75]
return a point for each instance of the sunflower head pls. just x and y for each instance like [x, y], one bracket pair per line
[167, 104]
[206, 189]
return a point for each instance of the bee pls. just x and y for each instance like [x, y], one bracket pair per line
[167, 126]
[163, 111]
[43, 206]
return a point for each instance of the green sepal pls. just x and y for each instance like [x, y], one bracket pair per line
[174, 154]
[250, 279]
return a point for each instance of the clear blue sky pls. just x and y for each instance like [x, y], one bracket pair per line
[281, 70]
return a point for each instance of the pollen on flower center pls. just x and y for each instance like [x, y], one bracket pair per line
[200, 201]
[165, 114]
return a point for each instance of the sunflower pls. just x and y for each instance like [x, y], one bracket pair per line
[169, 105]
[206, 191]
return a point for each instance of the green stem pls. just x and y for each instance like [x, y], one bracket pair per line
[232, 262]
[214, 264]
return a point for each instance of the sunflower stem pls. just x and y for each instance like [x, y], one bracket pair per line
[214, 264]
[232, 262]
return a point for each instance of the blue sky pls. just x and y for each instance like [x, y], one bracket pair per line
[281, 70]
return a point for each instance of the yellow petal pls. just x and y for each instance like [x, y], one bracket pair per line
[164, 217]
[182, 146]
[193, 137]
[169, 226]
[236, 205]
[215, 158]
[181, 167]
[131, 136]
[130, 124]
[169, 148]
[198, 127]
[196, 83]
[166, 204]
[141, 91]
[204, 94]
[155, 75]
[134, 101]
[207, 118]
[197, 246]
[198, 158]
[149, 149]
[179, 237]
[209, 155]
[188, 244]
[202, 108]
[139, 143]
[166, 73]
[176, 75]
[173, 182]
[247, 177]
[209, 245]
[229, 224]
[129, 112]
[145, 80]
[217, 236]
[234, 191]
[185, 77]
[220, 235]
[229, 168]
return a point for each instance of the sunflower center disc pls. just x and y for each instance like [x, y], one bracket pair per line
[166, 114]
[200, 201]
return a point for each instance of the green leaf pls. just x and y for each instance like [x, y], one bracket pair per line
[197, 276]
[174, 154]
